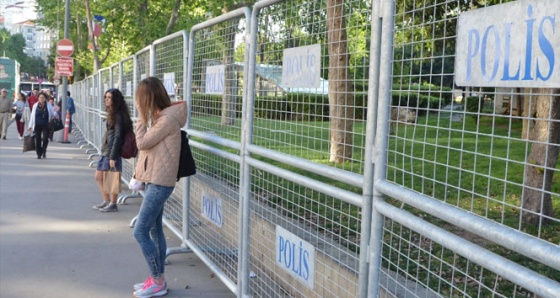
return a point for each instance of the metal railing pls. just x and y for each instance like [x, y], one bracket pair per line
[336, 157]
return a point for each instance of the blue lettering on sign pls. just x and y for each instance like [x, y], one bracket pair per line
[215, 80]
[301, 69]
[212, 210]
[546, 47]
[528, 68]
[294, 257]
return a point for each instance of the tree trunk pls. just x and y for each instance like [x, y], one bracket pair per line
[96, 63]
[542, 160]
[341, 100]
[173, 18]
[80, 45]
[529, 112]
[230, 82]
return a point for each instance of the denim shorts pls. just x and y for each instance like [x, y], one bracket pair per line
[103, 164]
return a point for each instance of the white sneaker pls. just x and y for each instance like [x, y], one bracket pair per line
[20, 137]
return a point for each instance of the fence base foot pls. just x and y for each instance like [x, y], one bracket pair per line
[122, 198]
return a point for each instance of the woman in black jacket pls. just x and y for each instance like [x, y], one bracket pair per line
[109, 166]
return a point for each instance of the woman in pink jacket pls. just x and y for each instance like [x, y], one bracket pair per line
[158, 137]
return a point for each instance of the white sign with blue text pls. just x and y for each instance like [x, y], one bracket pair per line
[520, 48]
[212, 209]
[169, 83]
[215, 79]
[128, 91]
[301, 67]
[296, 256]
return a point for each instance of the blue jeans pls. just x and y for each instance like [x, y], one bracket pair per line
[148, 229]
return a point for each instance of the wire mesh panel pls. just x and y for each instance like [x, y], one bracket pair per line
[170, 64]
[467, 188]
[128, 84]
[116, 76]
[143, 64]
[106, 80]
[485, 156]
[216, 94]
[303, 243]
[99, 106]
[127, 88]
[309, 107]
[217, 79]
[170, 67]
[311, 85]
[85, 119]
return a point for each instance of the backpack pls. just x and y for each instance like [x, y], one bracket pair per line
[187, 166]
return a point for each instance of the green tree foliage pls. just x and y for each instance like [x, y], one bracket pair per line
[129, 25]
[12, 46]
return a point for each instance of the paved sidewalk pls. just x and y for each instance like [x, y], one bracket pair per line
[53, 244]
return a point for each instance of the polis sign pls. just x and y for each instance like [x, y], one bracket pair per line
[65, 47]
[519, 49]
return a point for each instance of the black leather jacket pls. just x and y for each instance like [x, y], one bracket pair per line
[113, 139]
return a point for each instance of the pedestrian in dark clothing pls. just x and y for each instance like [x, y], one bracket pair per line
[70, 107]
[41, 114]
[117, 124]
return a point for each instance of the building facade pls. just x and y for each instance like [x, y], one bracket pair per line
[19, 16]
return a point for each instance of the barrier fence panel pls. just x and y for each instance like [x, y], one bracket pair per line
[307, 148]
[468, 161]
[127, 87]
[116, 76]
[105, 81]
[170, 66]
[99, 105]
[215, 88]
[143, 64]
[128, 84]
[89, 119]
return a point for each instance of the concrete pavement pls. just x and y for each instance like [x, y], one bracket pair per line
[53, 244]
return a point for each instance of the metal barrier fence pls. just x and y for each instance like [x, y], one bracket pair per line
[340, 154]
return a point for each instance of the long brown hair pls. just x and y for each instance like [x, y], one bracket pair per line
[151, 97]
[118, 108]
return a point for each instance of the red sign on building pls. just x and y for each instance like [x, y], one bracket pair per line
[64, 66]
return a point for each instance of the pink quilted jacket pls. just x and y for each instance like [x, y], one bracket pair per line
[158, 159]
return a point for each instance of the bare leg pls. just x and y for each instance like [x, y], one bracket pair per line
[99, 180]
[114, 198]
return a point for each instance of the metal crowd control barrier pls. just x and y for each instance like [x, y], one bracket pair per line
[337, 157]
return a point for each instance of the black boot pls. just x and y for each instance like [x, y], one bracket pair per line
[45, 153]
[39, 153]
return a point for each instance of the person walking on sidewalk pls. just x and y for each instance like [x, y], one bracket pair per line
[70, 107]
[32, 99]
[20, 106]
[158, 137]
[41, 114]
[5, 112]
[118, 122]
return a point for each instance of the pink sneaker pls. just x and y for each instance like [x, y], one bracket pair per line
[151, 289]
[139, 286]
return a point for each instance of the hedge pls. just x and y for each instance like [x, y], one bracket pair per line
[315, 107]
